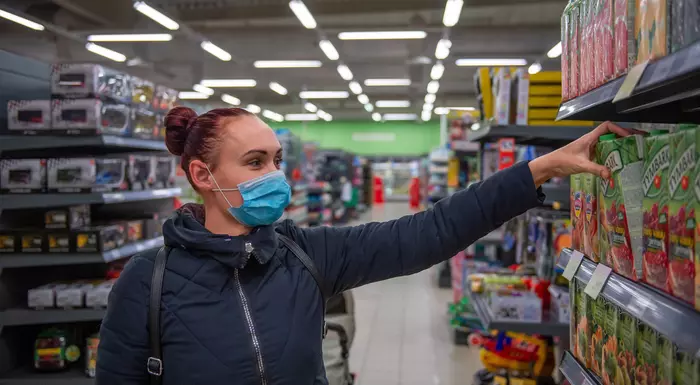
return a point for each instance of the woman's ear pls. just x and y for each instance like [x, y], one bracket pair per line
[200, 175]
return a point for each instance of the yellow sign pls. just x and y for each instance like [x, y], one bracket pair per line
[453, 173]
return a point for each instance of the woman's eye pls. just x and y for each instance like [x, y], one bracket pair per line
[255, 163]
[278, 162]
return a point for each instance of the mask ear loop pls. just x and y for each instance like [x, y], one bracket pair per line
[218, 188]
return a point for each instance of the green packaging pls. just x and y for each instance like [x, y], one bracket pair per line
[684, 368]
[574, 303]
[598, 312]
[583, 325]
[645, 372]
[590, 216]
[577, 202]
[626, 356]
[666, 356]
[610, 344]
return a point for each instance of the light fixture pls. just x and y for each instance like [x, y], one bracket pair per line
[287, 63]
[228, 83]
[387, 82]
[131, 37]
[216, 51]
[106, 52]
[534, 68]
[369, 107]
[273, 116]
[324, 115]
[191, 95]
[442, 110]
[490, 62]
[442, 50]
[400, 116]
[393, 103]
[437, 71]
[302, 13]
[324, 94]
[428, 107]
[362, 98]
[310, 107]
[328, 49]
[376, 117]
[430, 98]
[425, 115]
[344, 72]
[232, 100]
[382, 35]
[453, 9]
[278, 88]
[461, 108]
[301, 117]
[156, 16]
[20, 20]
[253, 108]
[203, 90]
[555, 51]
[433, 87]
[355, 88]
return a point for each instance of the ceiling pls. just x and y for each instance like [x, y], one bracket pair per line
[268, 30]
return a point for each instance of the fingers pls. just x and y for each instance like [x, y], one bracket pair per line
[607, 127]
[597, 169]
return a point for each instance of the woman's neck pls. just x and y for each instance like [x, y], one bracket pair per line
[221, 222]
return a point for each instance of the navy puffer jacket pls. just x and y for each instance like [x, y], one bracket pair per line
[235, 317]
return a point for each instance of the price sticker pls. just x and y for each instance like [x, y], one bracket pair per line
[598, 280]
[574, 262]
[630, 82]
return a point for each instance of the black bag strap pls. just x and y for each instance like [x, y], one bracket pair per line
[154, 365]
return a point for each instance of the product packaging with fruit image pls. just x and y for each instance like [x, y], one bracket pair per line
[598, 313]
[645, 371]
[590, 216]
[684, 368]
[610, 346]
[666, 356]
[583, 325]
[577, 203]
[574, 317]
[626, 356]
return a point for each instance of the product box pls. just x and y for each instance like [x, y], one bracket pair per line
[565, 54]
[684, 368]
[32, 241]
[100, 238]
[134, 230]
[573, 322]
[598, 316]
[516, 306]
[625, 38]
[43, 296]
[165, 171]
[577, 210]
[666, 357]
[142, 93]
[587, 45]
[501, 84]
[696, 190]
[685, 23]
[590, 216]
[72, 295]
[164, 99]
[605, 42]
[608, 362]
[91, 346]
[9, 241]
[59, 242]
[584, 325]
[575, 49]
[140, 171]
[89, 117]
[523, 94]
[647, 355]
[28, 117]
[89, 81]
[561, 304]
[626, 356]
[22, 176]
[144, 124]
[71, 217]
[651, 29]
[97, 296]
[74, 175]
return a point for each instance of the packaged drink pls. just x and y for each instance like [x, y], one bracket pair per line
[626, 357]
[609, 352]
[583, 325]
[604, 48]
[683, 368]
[574, 49]
[574, 316]
[681, 210]
[625, 43]
[685, 23]
[590, 216]
[587, 45]
[666, 354]
[650, 27]
[564, 36]
[598, 310]
[696, 191]
[657, 159]
[91, 355]
[577, 203]
[620, 203]
[646, 369]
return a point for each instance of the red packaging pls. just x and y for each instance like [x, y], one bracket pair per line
[587, 46]
[623, 36]
[574, 50]
[605, 51]
[564, 36]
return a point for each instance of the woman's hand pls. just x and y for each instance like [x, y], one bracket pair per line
[576, 157]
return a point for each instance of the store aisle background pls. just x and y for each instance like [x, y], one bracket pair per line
[403, 335]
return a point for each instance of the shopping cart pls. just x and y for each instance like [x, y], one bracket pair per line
[340, 321]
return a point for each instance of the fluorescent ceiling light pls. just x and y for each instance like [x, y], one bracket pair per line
[156, 16]
[433, 87]
[106, 52]
[490, 62]
[216, 51]
[555, 51]
[344, 72]
[382, 35]
[302, 13]
[192, 95]
[425, 115]
[20, 20]
[376, 117]
[278, 88]
[428, 107]
[324, 115]
[301, 117]
[232, 100]
[442, 50]
[400, 116]
[369, 107]
[328, 49]
[355, 88]
[324, 94]
[310, 107]
[273, 116]
[534, 68]
[461, 108]
[131, 37]
[202, 89]
[393, 103]
[430, 98]
[437, 71]
[453, 9]
[362, 98]
[387, 82]
[287, 63]
[253, 108]
[442, 110]
[228, 83]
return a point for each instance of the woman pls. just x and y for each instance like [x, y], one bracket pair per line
[237, 306]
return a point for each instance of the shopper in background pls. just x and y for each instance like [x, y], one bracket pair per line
[237, 306]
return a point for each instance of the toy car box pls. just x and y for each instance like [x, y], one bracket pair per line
[100, 238]
[9, 243]
[516, 306]
[89, 117]
[71, 217]
[43, 296]
[90, 81]
[59, 241]
[140, 171]
[144, 124]
[97, 296]
[32, 241]
[165, 170]
[29, 117]
[164, 99]
[22, 176]
[142, 93]
[76, 175]
[72, 295]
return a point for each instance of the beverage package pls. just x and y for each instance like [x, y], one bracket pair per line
[583, 325]
[598, 310]
[574, 49]
[620, 203]
[626, 357]
[608, 362]
[565, 55]
[657, 159]
[590, 216]
[604, 48]
[587, 45]
[647, 355]
[577, 203]
[650, 27]
[625, 47]
[685, 23]
[666, 354]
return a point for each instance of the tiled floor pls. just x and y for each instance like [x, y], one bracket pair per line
[403, 335]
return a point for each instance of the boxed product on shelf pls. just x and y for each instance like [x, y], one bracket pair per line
[561, 304]
[98, 239]
[134, 230]
[565, 53]
[608, 361]
[165, 171]
[522, 80]
[22, 176]
[32, 241]
[625, 38]
[685, 23]
[28, 116]
[89, 117]
[627, 353]
[9, 241]
[164, 98]
[142, 92]
[657, 159]
[651, 29]
[501, 90]
[685, 368]
[91, 345]
[598, 311]
[89, 80]
[73, 175]
[575, 49]
[515, 305]
[589, 189]
[647, 355]
[583, 322]
[59, 242]
[604, 39]
[666, 357]
[577, 203]
[71, 217]
[140, 171]
[587, 45]
[72, 295]
[143, 124]
[43, 296]
[98, 295]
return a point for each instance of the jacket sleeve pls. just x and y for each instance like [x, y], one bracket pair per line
[352, 256]
[123, 349]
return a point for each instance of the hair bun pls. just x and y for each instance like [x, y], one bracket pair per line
[178, 123]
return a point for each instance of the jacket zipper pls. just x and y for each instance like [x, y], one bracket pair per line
[251, 328]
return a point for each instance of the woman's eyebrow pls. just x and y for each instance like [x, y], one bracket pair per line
[255, 151]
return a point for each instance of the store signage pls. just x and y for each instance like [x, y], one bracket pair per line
[373, 136]
[597, 282]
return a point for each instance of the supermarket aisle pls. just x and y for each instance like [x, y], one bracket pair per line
[403, 335]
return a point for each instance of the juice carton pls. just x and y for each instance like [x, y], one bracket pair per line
[610, 349]
[577, 203]
[604, 48]
[657, 159]
[682, 215]
[683, 368]
[574, 316]
[598, 313]
[625, 47]
[590, 216]
[583, 325]
[651, 25]
[620, 202]
[564, 36]
[666, 354]
[574, 49]
[587, 45]
[626, 356]
[645, 371]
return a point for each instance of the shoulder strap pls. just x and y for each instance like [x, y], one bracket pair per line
[154, 365]
[308, 263]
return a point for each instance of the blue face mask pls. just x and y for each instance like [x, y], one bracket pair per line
[264, 199]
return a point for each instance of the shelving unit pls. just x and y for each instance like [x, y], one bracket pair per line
[27, 377]
[18, 317]
[24, 143]
[25, 201]
[527, 135]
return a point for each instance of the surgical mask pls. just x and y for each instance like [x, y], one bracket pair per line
[264, 198]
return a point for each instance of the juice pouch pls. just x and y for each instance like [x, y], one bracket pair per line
[574, 49]
[645, 371]
[682, 215]
[683, 368]
[625, 51]
[604, 49]
[577, 202]
[657, 159]
[609, 352]
[590, 216]
[598, 310]
[583, 325]
[626, 356]
[666, 354]
[620, 202]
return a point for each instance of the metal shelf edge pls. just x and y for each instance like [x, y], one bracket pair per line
[20, 201]
[33, 142]
[18, 317]
[574, 372]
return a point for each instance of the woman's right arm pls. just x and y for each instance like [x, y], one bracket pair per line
[123, 349]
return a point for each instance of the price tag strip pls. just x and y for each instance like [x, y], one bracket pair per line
[633, 76]
[573, 265]
[598, 279]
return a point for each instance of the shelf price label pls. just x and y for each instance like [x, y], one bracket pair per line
[574, 262]
[630, 82]
[598, 280]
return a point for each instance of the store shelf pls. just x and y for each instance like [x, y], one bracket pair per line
[545, 328]
[38, 142]
[24, 201]
[539, 135]
[18, 317]
[575, 372]
[666, 93]
[557, 195]
[60, 259]
[668, 315]
[30, 377]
